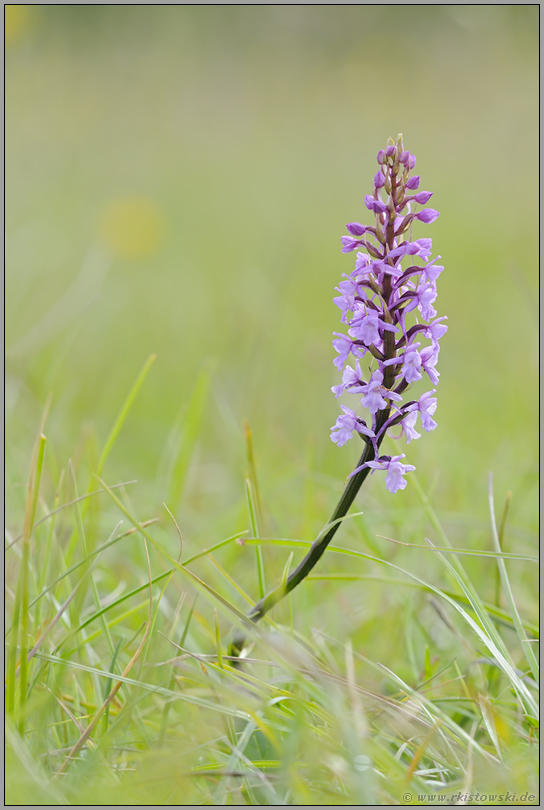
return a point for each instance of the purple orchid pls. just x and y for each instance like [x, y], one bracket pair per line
[427, 406]
[423, 197]
[346, 301]
[355, 228]
[380, 294]
[350, 379]
[431, 271]
[349, 244]
[427, 216]
[395, 470]
[344, 346]
[394, 280]
[411, 364]
[376, 394]
[366, 326]
[429, 359]
[345, 425]
[436, 330]
[408, 426]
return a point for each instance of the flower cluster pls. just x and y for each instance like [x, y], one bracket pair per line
[389, 313]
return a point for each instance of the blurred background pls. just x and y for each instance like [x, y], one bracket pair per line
[178, 179]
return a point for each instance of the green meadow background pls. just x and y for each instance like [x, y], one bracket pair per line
[178, 179]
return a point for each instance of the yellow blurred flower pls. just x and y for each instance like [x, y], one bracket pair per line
[16, 19]
[132, 227]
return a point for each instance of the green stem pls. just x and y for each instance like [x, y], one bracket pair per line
[318, 547]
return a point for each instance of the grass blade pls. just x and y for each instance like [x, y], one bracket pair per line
[66, 505]
[254, 522]
[59, 613]
[489, 721]
[160, 690]
[253, 469]
[235, 614]
[459, 574]
[183, 438]
[93, 724]
[82, 537]
[526, 646]
[464, 551]
[497, 614]
[123, 413]
[33, 493]
[109, 542]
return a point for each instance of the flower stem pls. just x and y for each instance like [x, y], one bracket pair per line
[320, 544]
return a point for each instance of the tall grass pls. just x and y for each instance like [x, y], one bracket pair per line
[128, 698]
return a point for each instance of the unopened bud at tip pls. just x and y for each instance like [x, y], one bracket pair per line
[355, 228]
[423, 197]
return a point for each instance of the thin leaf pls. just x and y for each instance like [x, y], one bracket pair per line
[116, 603]
[233, 611]
[218, 639]
[83, 540]
[466, 551]
[183, 438]
[231, 581]
[497, 614]
[459, 574]
[66, 505]
[94, 722]
[160, 690]
[254, 522]
[110, 542]
[527, 649]
[489, 720]
[59, 613]
[123, 413]
[32, 502]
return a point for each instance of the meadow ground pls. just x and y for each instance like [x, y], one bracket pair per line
[178, 179]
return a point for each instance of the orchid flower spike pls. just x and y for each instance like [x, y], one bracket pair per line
[394, 281]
